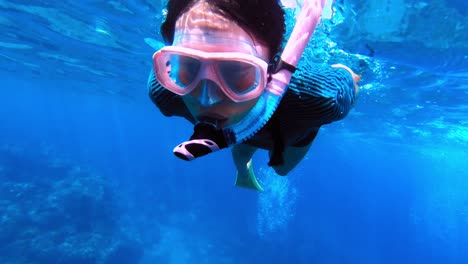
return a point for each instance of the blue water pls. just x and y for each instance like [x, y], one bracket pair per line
[87, 174]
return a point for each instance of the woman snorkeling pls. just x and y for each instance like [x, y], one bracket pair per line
[222, 71]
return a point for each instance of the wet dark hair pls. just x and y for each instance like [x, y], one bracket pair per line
[264, 19]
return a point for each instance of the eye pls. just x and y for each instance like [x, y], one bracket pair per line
[241, 77]
[184, 69]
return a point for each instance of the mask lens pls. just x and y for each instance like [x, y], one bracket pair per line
[184, 69]
[240, 77]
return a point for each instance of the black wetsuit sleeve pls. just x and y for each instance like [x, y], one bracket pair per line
[170, 104]
[317, 95]
[320, 94]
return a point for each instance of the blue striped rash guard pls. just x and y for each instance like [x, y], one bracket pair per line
[317, 95]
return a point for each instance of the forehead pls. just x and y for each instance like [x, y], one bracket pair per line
[203, 21]
[202, 17]
[201, 26]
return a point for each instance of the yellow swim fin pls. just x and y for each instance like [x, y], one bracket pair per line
[246, 178]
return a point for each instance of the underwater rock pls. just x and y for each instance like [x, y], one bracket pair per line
[58, 212]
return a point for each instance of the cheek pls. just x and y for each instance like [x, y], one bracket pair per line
[192, 105]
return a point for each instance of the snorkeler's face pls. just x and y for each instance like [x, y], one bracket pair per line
[202, 29]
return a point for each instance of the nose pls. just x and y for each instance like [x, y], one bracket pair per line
[208, 93]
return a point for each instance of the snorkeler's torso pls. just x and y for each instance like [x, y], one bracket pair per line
[289, 124]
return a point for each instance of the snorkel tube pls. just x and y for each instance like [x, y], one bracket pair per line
[208, 138]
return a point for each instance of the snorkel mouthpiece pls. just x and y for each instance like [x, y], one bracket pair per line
[207, 137]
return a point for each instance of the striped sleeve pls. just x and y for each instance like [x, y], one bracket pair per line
[320, 94]
[170, 104]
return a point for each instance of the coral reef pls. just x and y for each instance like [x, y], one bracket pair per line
[53, 211]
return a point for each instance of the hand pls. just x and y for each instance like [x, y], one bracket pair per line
[356, 77]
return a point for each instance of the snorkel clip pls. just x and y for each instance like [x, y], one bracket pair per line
[278, 64]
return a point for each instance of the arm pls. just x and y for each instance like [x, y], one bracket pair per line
[356, 78]
[320, 94]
